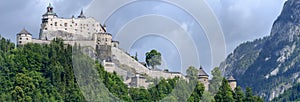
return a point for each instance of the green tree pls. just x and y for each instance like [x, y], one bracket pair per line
[192, 73]
[238, 94]
[248, 95]
[216, 80]
[141, 95]
[225, 93]
[153, 58]
[197, 93]
[207, 97]
[136, 56]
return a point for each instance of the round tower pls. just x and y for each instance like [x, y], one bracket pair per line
[232, 82]
[203, 77]
[24, 37]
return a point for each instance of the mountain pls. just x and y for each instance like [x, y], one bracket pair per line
[269, 65]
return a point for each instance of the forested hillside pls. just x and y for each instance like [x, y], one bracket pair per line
[35, 72]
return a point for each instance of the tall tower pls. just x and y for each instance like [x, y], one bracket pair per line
[48, 16]
[203, 77]
[232, 82]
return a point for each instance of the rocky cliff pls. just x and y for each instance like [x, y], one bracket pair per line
[270, 65]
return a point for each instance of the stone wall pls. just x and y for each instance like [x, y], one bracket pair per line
[125, 59]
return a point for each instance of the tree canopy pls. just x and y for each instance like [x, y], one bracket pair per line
[153, 58]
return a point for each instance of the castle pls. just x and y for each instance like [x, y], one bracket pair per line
[86, 31]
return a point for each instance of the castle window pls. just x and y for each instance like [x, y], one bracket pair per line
[60, 24]
[70, 25]
[20, 41]
[66, 29]
[75, 29]
[105, 39]
[89, 33]
[26, 38]
[66, 24]
[45, 28]
[20, 38]
[75, 24]
[55, 23]
[51, 24]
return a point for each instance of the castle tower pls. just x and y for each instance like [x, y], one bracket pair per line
[24, 37]
[232, 82]
[203, 77]
[47, 17]
[49, 14]
[103, 46]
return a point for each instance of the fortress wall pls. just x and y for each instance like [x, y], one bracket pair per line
[82, 43]
[40, 41]
[127, 60]
[166, 75]
[72, 43]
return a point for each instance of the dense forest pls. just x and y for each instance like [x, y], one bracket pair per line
[36, 72]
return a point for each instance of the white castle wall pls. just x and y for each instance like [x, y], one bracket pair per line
[83, 26]
[127, 60]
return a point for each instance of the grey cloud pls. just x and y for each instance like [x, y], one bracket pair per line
[245, 20]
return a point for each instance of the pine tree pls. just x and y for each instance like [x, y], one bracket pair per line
[215, 83]
[248, 95]
[238, 94]
[225, 93]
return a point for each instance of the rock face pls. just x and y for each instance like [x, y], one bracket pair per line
[269, 65]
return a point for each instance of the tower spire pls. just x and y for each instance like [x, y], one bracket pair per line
[81, 14]
[49, 5]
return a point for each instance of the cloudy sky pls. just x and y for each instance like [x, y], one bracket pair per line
[164, 25]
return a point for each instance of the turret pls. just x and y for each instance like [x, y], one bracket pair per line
[24, 37]
[232, 82]
[203, 77]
